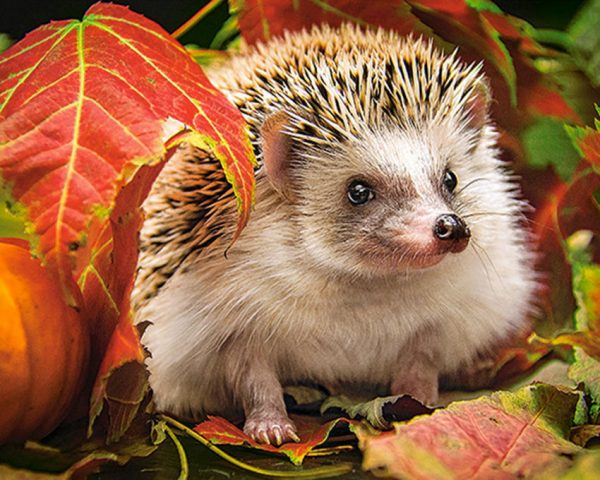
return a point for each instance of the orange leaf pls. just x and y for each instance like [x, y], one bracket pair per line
[106, 284]
[311, 431]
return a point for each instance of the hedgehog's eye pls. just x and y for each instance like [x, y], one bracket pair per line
[450, 180]
[360, 192]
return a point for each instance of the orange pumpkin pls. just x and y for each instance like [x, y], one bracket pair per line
[43, 348]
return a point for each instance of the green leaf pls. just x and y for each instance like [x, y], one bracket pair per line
[586, 40]
[13, 215]
[483, 5]
[587, 292]
[5, 42]
[586, 282]
[586, 369]
[585, 338]
[228, 32]
[547, 143]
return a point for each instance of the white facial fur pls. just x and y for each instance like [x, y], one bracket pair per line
[405, 166]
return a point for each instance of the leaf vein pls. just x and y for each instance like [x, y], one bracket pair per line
[198, 107]
[29, 47]
[122, 126]
[33, 68]
[527, 425]
[71, 163]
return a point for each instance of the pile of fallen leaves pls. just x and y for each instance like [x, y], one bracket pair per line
[90, 110]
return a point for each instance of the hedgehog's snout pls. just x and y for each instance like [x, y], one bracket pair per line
[451, 228]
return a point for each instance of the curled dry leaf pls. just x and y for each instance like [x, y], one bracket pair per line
[379, 412]
[108, 280]
[582, 434]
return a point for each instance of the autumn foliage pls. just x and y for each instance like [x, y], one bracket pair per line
[91, 109]
[85, 105]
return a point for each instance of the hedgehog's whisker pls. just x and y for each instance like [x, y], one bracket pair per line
[478, 248]
[478, 214]
[468, 184]
[461, 205]
[527, 220]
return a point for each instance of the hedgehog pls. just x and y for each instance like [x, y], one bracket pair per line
[387, 246]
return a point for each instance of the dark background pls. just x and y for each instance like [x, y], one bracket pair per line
[20, 16]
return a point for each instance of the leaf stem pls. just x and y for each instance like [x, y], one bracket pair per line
[194, 19]
[183, 461]
[320, 472]
[553, 37]
[207, 52]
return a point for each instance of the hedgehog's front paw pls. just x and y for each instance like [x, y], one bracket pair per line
[419, 380]
[271, 427]
[422, 389]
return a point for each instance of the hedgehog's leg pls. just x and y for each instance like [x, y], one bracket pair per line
[261, 395]
[417, 375]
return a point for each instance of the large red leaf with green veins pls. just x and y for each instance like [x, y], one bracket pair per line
[503, 436]
[83, 104]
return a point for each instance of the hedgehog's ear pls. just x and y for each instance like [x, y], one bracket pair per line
[276, 146]
[478, 104]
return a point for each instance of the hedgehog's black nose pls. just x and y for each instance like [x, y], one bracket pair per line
[451, 227]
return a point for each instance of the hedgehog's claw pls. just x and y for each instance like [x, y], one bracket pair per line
[271, 429]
